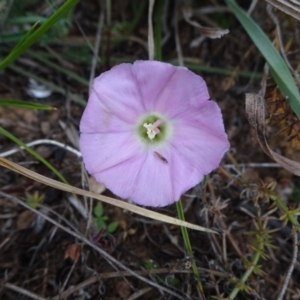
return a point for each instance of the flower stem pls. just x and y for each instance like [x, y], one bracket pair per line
[246, 275]
[260, 239]
[187, 243]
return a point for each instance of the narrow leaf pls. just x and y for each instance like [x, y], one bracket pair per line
[25, 104]
[279, 69]
[33, 153]
[34, 35]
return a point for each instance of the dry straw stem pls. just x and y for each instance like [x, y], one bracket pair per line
[213, 33]
[96, 48]
[291, 7]
[124, 205]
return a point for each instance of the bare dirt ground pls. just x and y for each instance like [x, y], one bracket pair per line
[40, 260]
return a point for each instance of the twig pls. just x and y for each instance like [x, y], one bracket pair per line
[223, 225]
[291, 268]
[140, 293]
[108, 32]
[252, 7]
[85, 38]
[23, 291]
[96, 277]
[103, 253]
[150, 30]
[69, 275]
[4, 242]
[257, 165]
[39, 142]
[279, 35]
[109, 275]
[237, 167]
[96, 48]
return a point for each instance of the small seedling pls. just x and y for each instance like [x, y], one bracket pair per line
[170, 279]
[101, 220]
[34, 199]
[150, 264]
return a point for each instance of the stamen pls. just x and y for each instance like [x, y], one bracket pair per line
[152, 129]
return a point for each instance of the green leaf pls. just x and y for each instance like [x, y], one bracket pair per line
[98, 210]
[31, 18]
[34, 34]
[34, 199]
[100, 224]
[171, 280]
[112, 227]
[33, 153]
[279, 69]
[150, 264]
[9, 37]
[158, 29]
[25, 104]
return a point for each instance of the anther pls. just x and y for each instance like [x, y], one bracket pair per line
[152, 129]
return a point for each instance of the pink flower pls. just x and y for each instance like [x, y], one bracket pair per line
[150, 133]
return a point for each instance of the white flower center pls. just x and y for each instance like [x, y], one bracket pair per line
[152, 128]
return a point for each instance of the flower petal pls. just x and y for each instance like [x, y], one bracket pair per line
[118, 90]
[125, 173]
[96, 118]
[169, 89]
[200, 146]
[101, 151]
[153, 183]
[184, 174]
[165, 177]
[209, 116]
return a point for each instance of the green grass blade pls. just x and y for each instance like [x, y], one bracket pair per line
[27, 34]
[197, 65]
[279, 69]
[12, 37]
[26, 19]
[158, 29]
[25, 104]
[187, 243]
[34, 35]
[138, 14]
[33, 153]
[39, 56]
